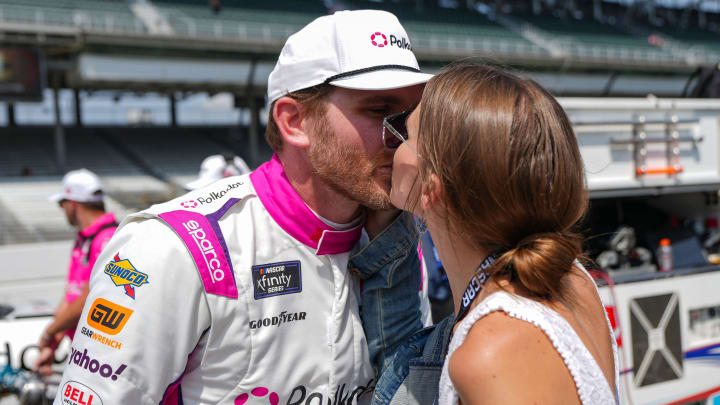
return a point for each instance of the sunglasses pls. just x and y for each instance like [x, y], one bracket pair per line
[396, 124]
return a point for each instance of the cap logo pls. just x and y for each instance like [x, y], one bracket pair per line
[380, 43]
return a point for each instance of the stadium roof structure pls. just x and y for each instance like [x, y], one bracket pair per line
[187, 45]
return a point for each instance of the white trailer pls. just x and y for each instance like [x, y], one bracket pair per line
[667, 324]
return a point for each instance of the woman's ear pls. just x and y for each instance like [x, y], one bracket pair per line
[432, 193]
[290, 121]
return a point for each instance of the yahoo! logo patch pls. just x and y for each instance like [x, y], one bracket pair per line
[189, 204]
[258, 392]
[86, 361]
[380, 43]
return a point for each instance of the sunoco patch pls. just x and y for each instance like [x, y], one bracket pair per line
[276, 279]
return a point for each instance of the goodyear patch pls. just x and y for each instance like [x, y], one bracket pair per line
[123, 274]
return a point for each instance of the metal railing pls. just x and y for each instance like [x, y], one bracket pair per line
[185, 25]
[87, 20]
[279, 32]
[619, 53]
[445, 44]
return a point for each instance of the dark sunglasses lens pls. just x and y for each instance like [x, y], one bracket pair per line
[398, 122]
[390, 140]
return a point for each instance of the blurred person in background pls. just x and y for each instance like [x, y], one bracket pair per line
[216, 167]
[81, 200]
[240, 292]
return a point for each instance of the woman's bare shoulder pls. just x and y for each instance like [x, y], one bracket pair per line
[507, 360]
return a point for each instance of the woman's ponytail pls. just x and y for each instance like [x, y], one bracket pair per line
[540, 261]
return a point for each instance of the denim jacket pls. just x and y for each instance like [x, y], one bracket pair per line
[407, 358]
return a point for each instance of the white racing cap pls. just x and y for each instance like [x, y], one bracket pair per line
[363, 50]
[80, 185]
[216, 167]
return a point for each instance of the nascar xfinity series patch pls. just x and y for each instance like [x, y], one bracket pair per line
[276, 279]
[123, 274]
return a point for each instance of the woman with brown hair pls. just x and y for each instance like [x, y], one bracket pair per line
[491, 164]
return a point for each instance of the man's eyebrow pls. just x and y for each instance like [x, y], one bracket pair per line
[379, 99]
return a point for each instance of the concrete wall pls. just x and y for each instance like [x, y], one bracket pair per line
[32, 276]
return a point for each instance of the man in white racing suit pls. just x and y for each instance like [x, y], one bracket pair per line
[239, 293]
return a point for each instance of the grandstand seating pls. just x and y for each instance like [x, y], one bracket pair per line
[118, 151]
[172, 152]
[693, 37]
[197, 18]
[585, 30]
[278, 19]
[31, 150]
[438, 31]
[106, 15]
[445, 23]
[26, 215]
[125, 158]
[588, 33]
[26, 149]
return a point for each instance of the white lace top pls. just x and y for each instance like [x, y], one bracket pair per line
[589, 379]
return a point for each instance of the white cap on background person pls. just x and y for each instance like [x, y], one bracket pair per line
[216, 167]
[80, 185]
[362, 50]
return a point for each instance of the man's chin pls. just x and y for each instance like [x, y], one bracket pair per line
[374, 194]
[382, 185]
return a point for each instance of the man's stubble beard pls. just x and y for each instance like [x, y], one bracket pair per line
[347, 171]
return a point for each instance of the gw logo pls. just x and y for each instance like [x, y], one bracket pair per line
[107, 316]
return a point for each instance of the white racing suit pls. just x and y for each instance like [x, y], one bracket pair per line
[233, 294]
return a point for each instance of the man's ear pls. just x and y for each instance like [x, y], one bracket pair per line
[290, 121]
[432, 194]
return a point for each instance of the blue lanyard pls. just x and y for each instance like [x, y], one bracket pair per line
[476, 284]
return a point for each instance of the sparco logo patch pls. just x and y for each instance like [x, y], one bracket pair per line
[276, 279]
[75, 393]
[123, 274]
[207, 248]
[209, 254]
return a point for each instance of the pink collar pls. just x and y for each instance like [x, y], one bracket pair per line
[288, 209]
[105, 219]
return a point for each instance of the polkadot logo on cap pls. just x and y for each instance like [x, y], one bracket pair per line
[189, 204]
[379, 39]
